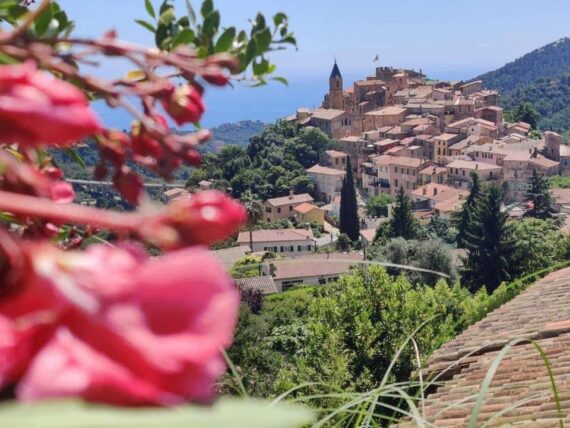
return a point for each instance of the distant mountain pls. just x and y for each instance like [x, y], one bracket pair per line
[541, 77]
[237, 133]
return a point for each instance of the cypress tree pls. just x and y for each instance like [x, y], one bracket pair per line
[538, 195]
[349, 223]
[490, 244]
[466, 217]
[403, 223]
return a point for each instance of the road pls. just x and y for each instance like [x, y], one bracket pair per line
[110, 184]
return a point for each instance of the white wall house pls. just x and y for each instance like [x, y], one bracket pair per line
[290, 242]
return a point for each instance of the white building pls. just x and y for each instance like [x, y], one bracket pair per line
[328, 181]
[290, 242]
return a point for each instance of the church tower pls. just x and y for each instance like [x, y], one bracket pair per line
[335, 89]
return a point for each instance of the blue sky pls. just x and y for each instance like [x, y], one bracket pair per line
[450, 39]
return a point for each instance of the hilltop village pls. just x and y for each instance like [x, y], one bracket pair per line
[402, 130]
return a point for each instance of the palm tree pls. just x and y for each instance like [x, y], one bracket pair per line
[255, 210]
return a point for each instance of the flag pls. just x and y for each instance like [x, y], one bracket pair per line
[376, 58]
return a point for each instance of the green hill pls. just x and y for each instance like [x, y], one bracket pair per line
[541, 77]
[549, 62]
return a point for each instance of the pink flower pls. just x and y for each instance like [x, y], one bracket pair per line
[37, 109]
[204, 218]
[110, 325]
[185, 105]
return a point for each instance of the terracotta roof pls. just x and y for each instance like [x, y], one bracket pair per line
[368, 234]
[561, 196]
[327, 114]
[318, 169]
[265, 284]
[315, 265]
[276, 235]
[433, 170]
[432, 189]
[291, 199]
[446, 137]
[305, 208]
[450, 205]
[370, 82]
[464, 164]
[398, 161]
[388, 111]
[335, 153]
[544, 162]
[542, 314]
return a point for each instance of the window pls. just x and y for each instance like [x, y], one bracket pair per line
[322, 281]
[268, 220]
[282, 249]
[291, 248]
[396, 183]
[291, 208]
[299, 248]
[278, 210]
[268, 210]
[463, 172]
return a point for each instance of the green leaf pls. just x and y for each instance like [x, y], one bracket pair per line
[185, 37]
[146, 25]
[207, 8]
[263, 40]
[191, 13]
[225, 414]
[7, 59]
[279, 18]
[260, 67]
[149, 8]
[225, 41]
[41, 24]
[250, 52]
[167, 16]
[281, 80]
[75, 157]
[211, 24]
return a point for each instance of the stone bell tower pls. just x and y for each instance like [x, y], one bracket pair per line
[335, 89]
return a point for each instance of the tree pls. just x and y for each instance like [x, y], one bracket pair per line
[490, 243]
[349, 223]
[431, 254]
[539, 244]
[377, 206]
[343, 242]
[466, 217]
[255, 210]
[403, 223]
[441, 228]
[526, 112]
[539, 197]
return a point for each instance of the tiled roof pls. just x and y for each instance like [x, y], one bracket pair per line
[315, 265]
[561, 196]
[431, 190]
[276, 235]
[327, 114]
[368, 234]
[318, 169]
[464, 164]
[291, 199]
[265, 284]
[398, 161]
[542, 314]
[388, 111]
[335, 153]
[305, 208]
[433, 170]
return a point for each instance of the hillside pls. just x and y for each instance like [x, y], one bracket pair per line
[237, 133]
[541, 77]
[549, 62]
